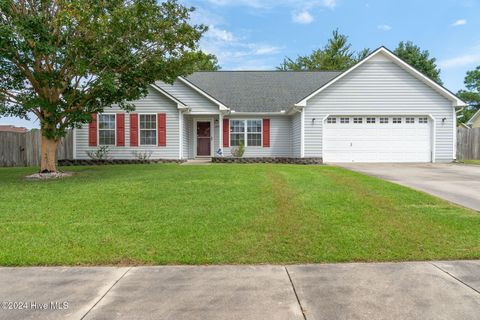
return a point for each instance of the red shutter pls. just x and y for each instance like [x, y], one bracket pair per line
[226, 131]
[162, 129]
[266, 133]
[120, 130]
[133, 130]
[92, 131]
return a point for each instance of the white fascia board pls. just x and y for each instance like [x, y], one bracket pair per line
[294, 109]
[180, 104]
[221, 106]
[447, 94]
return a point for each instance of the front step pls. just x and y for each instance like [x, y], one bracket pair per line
[201, 161]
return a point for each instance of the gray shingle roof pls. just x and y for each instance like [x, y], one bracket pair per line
[260, 91]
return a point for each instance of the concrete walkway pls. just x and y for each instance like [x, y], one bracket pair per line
[454, 182]
[413, 290]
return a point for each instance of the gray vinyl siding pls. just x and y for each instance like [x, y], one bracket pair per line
[380, 86]
[153, 103]
[280, 138]
[190, 97]
[297, 135]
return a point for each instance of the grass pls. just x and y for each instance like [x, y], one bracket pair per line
[477, 162]
[224, 214]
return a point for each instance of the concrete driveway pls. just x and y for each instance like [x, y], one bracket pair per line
[456, 183]
[411, 290]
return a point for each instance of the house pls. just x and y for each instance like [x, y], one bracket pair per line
[11, 128]
[380, 110]
[474, 121]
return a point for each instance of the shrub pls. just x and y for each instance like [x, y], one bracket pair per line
[99, 154]
[238, 151]
[142, 156]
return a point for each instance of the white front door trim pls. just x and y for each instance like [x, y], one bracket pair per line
[212, 135]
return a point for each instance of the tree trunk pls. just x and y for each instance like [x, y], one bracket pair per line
[48, 155]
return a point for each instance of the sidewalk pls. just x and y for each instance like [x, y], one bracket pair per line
[412, 290]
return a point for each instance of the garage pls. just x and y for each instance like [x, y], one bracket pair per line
[377, 138]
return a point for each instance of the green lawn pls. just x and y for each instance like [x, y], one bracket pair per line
[471, 162]
[171, 214]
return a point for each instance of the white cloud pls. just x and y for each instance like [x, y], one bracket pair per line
[266, 4]
[249, 3]
[459, 22]
[302, 17]
[384, 27]
[265, 50]
[234, 50]
[471, 57]
[460, 61]
[219, 34]
[330, 3]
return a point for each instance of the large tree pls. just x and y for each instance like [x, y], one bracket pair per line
[64, 60]
[471, 95]
[420, 60]
[201, 61]
[337, 54]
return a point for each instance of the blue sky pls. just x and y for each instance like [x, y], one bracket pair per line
[258, 34]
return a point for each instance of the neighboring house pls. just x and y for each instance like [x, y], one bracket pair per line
[380, 110]
[474, 121]
[10, 128]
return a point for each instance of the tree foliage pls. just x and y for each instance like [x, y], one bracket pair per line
[471, 95]
[420, 60]
[64, 60]
[336, 55]
[201, 61]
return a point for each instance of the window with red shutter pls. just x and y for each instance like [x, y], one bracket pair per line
[92, 131]
[133, 130]
[266, 133]
[226, 133]
[162, 130]
[120, 129]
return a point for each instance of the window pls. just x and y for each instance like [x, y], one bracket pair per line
[423, 120]
[409, 120]
[371, 120]
[237, 132]
[357, 120]
[254, 133]
[331, 120]
[344, 120]
[106, 129]
[248, 132]
[383, 120]
[148, 129]
[397, 120]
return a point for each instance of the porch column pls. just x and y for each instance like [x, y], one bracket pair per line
[220, 132]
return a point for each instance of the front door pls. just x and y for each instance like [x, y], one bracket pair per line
[203, 139]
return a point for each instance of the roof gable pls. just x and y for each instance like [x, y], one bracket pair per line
[405, 66]
[474, 117]
[179, 103]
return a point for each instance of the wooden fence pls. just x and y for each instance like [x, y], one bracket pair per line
[23, 149]
[468, 144]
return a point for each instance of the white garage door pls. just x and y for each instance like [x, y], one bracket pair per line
[377, 139]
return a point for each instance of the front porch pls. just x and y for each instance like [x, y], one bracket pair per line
[202, 138]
